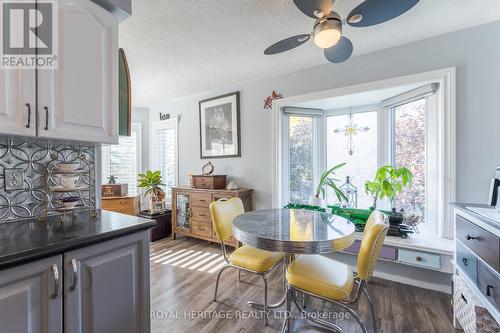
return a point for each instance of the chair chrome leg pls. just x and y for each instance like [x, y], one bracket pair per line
[239, 275]
[317, 320]
[354, 314]
[265, 297]
[217, 280]
[304, 301]
[285, 327]
[374, 320]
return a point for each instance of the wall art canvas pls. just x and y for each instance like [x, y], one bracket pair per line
[220, 126]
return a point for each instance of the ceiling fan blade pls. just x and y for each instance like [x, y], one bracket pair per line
[287, 44]
[340, 52]
[372, 12]
[308, 7]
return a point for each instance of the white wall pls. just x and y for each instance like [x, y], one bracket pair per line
[475, 52]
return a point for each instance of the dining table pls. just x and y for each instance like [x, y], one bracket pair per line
[293, 232]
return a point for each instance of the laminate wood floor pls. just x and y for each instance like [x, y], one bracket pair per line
[183, 276]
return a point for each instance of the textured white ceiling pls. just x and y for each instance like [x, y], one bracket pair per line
[177, 48]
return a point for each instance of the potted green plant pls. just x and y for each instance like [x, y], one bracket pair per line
[388, 183]
[151, 181]
[325, 182]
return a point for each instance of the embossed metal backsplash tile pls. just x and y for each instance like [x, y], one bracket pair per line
[32, 155]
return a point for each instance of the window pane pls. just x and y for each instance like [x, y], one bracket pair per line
[362, 164]
[164, 156]
[301, 158]
[121, 161]
[410, 149]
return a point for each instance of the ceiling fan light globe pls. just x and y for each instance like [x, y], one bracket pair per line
[327, 32]
[327, 38]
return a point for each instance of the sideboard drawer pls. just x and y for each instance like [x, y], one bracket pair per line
[202, 229]
[418, 258]
[488, 283]
[200, 200]
[201, 214]
[483, 243]
[386, 253]
[467, 262]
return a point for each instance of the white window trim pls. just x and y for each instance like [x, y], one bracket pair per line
[446, 148]
[136, 127]
[166, 124]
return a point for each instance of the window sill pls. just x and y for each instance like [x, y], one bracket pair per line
[422, 242]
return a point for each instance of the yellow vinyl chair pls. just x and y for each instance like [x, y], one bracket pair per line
[245, 258]
[333, 281]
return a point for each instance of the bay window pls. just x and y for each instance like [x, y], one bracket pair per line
[403, 130]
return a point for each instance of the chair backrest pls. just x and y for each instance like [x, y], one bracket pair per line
[223, 212]
[373, 237]
[375, 217]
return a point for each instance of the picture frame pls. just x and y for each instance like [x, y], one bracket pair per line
[220, 135]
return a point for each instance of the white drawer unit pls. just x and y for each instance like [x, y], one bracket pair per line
[418, 258]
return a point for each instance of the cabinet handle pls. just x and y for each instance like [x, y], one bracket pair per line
[463, 297]
[201, 214]
[489, 288]
[189, 212]
[46, 108]
[55, 272]
[28, 106]
[469, 237]
[74, 266]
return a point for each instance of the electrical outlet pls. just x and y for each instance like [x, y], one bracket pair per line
[13, 179]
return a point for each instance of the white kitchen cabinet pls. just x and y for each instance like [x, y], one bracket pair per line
[79, 100]
[31, 297]
[107, 286]
[17, 99]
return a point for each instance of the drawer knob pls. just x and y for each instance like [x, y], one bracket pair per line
[465, 261]
[419, 258]
[489, 290]
[469, 237]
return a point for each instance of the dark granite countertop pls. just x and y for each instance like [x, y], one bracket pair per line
[24, 241]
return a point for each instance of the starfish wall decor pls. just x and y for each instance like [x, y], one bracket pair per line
[350, 130]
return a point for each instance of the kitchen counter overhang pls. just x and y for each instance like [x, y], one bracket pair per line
[25, 241]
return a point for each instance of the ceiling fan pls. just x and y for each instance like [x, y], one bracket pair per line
[327, 31]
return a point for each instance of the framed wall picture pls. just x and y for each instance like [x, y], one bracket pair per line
[220, 126]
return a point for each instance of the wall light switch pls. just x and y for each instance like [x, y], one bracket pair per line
[13, 179]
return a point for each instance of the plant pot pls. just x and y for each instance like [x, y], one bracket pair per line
[315, 201]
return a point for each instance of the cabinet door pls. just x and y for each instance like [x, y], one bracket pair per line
[17, 102]
[31, 297]
[79, 100]
[107, 286]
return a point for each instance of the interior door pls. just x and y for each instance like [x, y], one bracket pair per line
[79, 100]
[107, 286]
[31, 297]
[17, 102]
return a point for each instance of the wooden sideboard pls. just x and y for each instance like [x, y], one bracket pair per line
[126, 205]
[191, 213]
